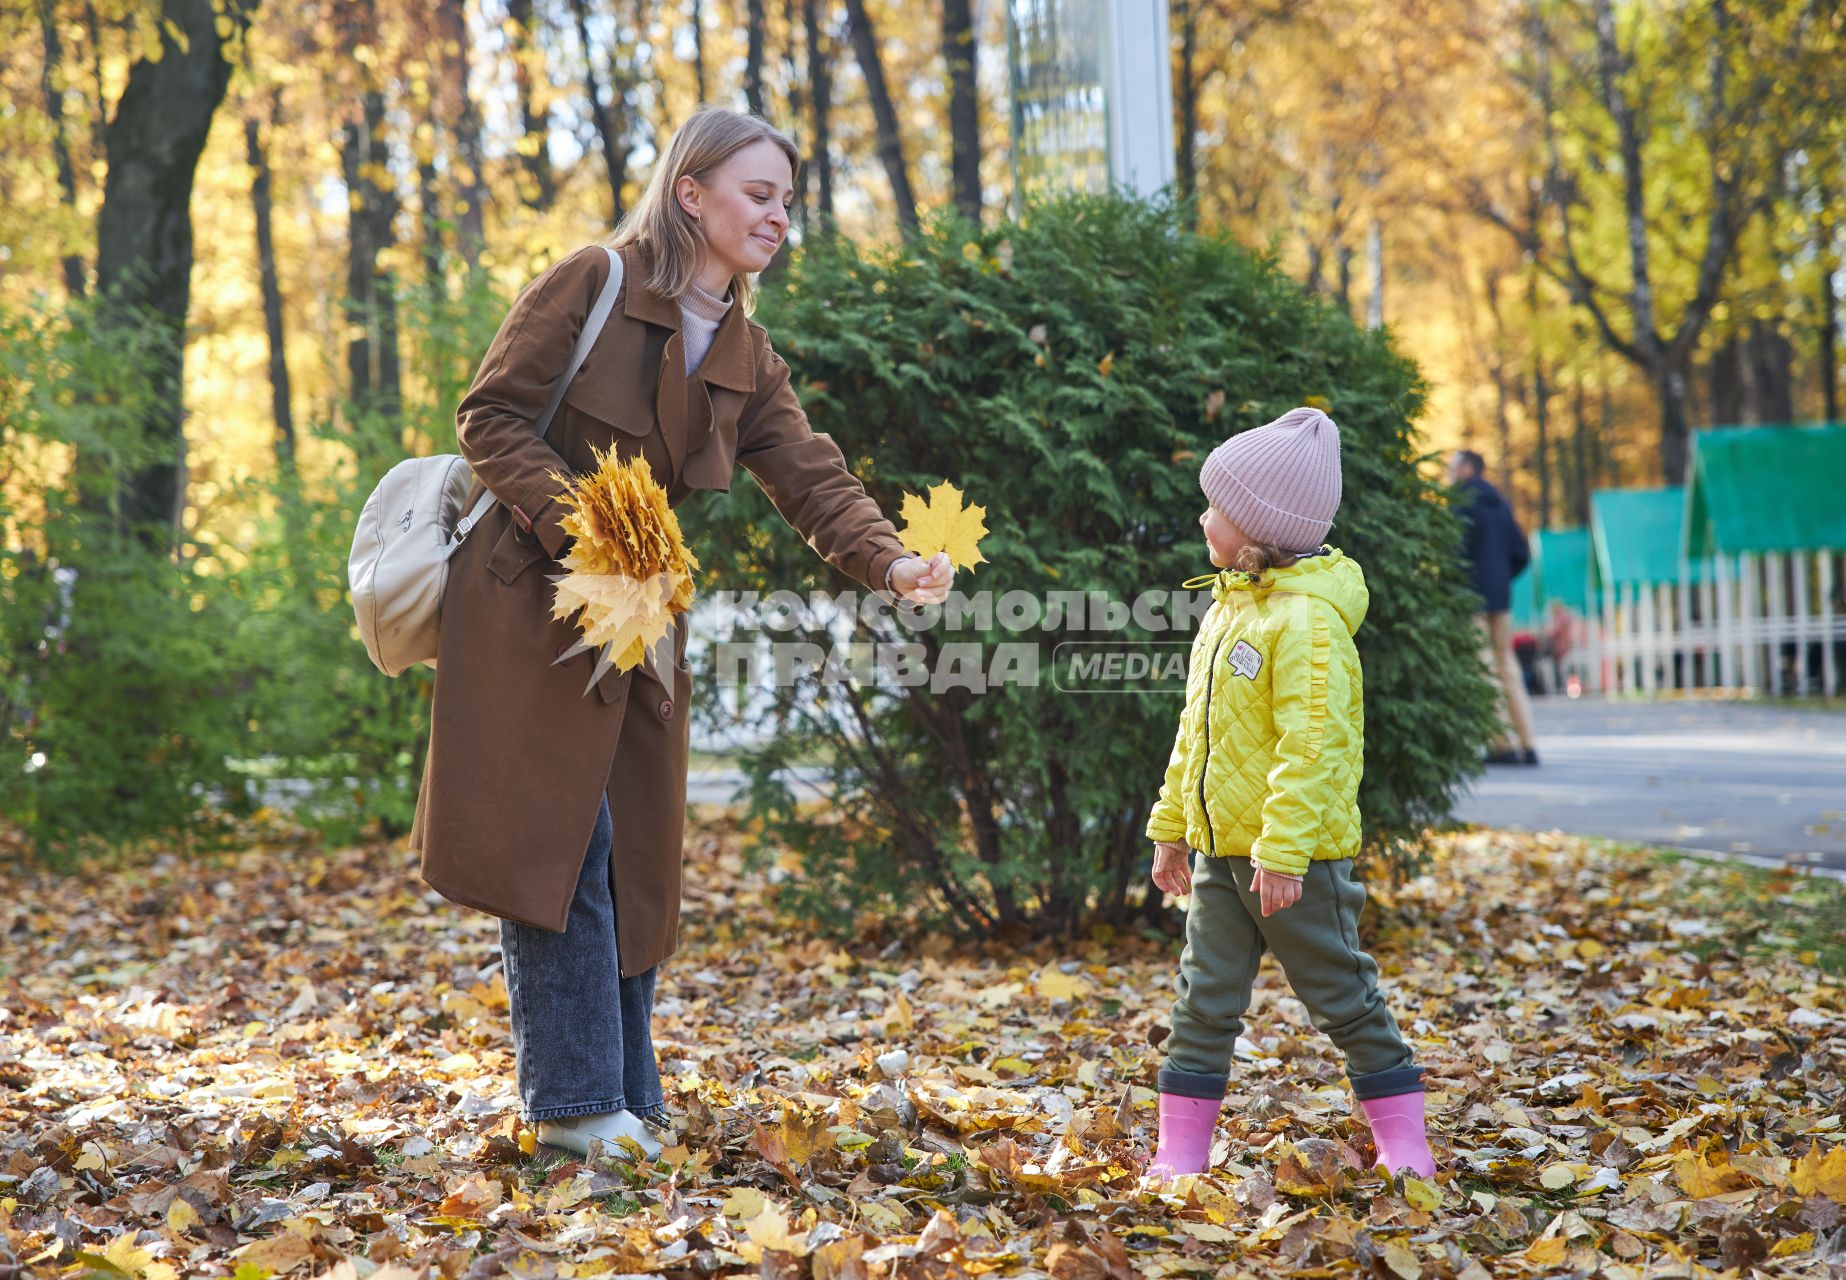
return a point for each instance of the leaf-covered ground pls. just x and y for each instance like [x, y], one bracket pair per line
[297, 1063]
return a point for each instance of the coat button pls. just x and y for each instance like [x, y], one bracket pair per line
[666, 708]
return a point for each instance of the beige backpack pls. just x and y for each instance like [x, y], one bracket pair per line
[410, 527]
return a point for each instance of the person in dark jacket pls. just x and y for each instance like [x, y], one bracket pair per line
[1497, 553]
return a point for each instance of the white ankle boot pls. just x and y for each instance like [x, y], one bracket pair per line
[576, 1133]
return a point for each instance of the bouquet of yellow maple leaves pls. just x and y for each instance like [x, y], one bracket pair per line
[628, 574]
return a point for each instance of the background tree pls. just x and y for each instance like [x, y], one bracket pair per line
[890, 136]
[144, 227]
[958, 52]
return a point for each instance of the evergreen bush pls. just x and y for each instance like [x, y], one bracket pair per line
[1069, 371]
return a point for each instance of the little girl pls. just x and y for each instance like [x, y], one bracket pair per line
[1264, 782]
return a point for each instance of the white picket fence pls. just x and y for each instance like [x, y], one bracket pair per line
[1771, 623]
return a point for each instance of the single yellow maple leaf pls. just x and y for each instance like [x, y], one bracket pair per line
[1546, 1253]
[1054, 985]
[944, 524]
[1701, 1178]
[1422, 1195]
[1815, 1174]
[276, 1254]
[770, 1230]
[744, 1203]
[181, 1216]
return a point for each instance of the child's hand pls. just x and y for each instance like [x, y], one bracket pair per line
[1277, 891]
[1173, 867]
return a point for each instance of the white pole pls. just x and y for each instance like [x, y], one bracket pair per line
[1721, 592]
[1649, 647]
[1679, 656]
[1707, 633]
[1801, 622]
[1775, 616]
[1631, 637]
[1140, 89]
[1611, 641]
[1829, 672]
[1748, 594]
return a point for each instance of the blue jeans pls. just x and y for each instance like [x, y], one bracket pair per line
[582, 1034]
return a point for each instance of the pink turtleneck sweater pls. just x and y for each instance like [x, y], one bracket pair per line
[700, 314]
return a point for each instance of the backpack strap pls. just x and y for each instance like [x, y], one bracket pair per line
[592, 329]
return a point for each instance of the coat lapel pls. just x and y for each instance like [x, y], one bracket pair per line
[670, 400]
[682, 405]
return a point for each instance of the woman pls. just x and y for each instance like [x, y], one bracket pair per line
[561, 810]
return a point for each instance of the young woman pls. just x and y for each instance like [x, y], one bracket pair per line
[559, 811]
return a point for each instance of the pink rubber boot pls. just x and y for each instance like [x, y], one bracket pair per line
[1186, 1126]
[1398, 1131]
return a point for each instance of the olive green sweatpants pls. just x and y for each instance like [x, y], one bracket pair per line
[1317, 942]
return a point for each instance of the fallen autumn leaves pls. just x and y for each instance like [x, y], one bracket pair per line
[296, 1064]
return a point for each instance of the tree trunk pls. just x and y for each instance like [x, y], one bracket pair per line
[884, 115]
[99, 105]
[371, 355]
[698, 48]
[753, 56]
[820, 84]
[1772, 380]
[144, 229]
[261, 202]
[60, 145]
[797, 111]
[1605, 468]
[1316, 279]
[1723, 383]
[1541, 394]
[1342, 259]
[1186, 105]
[1829, 317]
[1670, 384]
[1541, 411]
[360, 260]
[958, 52]
[429, 213]
[534, 148]
[1580, 453]
[795, 107]
[610, 120]
[1496, 368]
[465, 120]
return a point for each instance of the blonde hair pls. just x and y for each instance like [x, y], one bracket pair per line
[1258, 558]
[659, 224]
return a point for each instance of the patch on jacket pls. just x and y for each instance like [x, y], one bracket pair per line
[1245, 660]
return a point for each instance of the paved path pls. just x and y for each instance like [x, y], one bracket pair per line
[1741, 779]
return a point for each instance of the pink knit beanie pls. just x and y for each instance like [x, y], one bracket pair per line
[1280, 484]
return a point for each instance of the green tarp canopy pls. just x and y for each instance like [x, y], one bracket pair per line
[1636, 534]
[1561, 563]
[1757, 489]
[1526, 610]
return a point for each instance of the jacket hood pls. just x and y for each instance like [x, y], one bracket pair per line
[1332, 576]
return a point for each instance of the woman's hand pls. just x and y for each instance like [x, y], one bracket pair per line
[1173, 867]
[923, 581]
[1276, 891]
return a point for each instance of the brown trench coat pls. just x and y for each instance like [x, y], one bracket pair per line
[519, 755]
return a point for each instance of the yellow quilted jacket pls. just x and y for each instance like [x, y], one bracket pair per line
[1271, 744]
